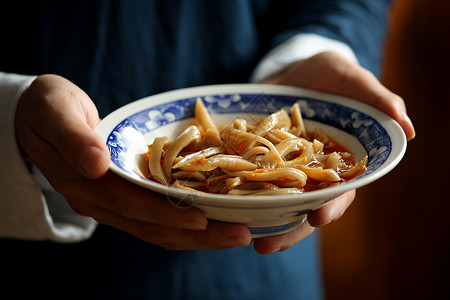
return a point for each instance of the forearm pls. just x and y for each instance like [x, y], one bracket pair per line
[298, 47]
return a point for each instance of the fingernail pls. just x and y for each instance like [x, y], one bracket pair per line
[193, 225]
[275, 250]
[406, 119]
[235, 241]
[89, 159]
[326, 223]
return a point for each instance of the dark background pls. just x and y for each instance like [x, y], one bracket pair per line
[394, 241]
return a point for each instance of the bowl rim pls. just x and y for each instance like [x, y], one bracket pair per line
[399, 143]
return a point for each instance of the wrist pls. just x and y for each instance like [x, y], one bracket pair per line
[299, 47]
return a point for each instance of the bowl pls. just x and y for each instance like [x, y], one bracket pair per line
[362, 129]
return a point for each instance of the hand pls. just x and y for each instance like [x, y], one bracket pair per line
[55, 123]
[330, 72]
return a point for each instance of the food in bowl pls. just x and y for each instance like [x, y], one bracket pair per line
[363, 130]
[272, 156]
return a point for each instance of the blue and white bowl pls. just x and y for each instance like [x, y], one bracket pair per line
[362, 129]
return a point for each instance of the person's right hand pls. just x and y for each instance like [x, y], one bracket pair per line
[55, 122]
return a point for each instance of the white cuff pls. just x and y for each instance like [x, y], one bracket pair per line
[299, 47]
[24, 212]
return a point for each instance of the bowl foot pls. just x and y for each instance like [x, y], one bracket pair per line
[259, 232]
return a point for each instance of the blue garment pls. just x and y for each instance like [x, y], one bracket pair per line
[119, 51]
[116, 265]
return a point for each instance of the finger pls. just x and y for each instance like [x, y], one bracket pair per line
[394, 106]
[282, 242]
[78, 143]
[358, 83]
[218, 235]
[331, 211]
[81, 147]
[116, 195]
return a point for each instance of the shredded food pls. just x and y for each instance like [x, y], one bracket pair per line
[275, 156]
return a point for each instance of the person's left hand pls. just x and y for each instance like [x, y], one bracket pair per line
[330, 72]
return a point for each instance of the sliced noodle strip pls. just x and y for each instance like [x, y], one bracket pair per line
[191, 134]
[298, 127]
[358, 169]
[333, 161]
[287, 173]
[254, 152]
[267, 192]
[229, 162]
[237, 139]
[179, 184]
[154, 162]
[203, 117]
[280, 119]
[305, 157]
[284, 148]
[196, 156]
[189, 175]
[320, 174]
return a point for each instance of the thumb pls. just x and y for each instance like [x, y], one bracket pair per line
[89, 156]
[64, 117]
[77, 140]
[332, 73]
[332, 210]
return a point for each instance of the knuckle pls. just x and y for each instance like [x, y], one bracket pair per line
[152, 235]
[118, 205]
[172, 246]
[65, 188]
[397, 100]
[157, 236]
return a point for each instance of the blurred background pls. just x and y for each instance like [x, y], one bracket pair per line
[394, 241]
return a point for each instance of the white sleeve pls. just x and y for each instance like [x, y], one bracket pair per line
[298, 47]
[24, 211]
